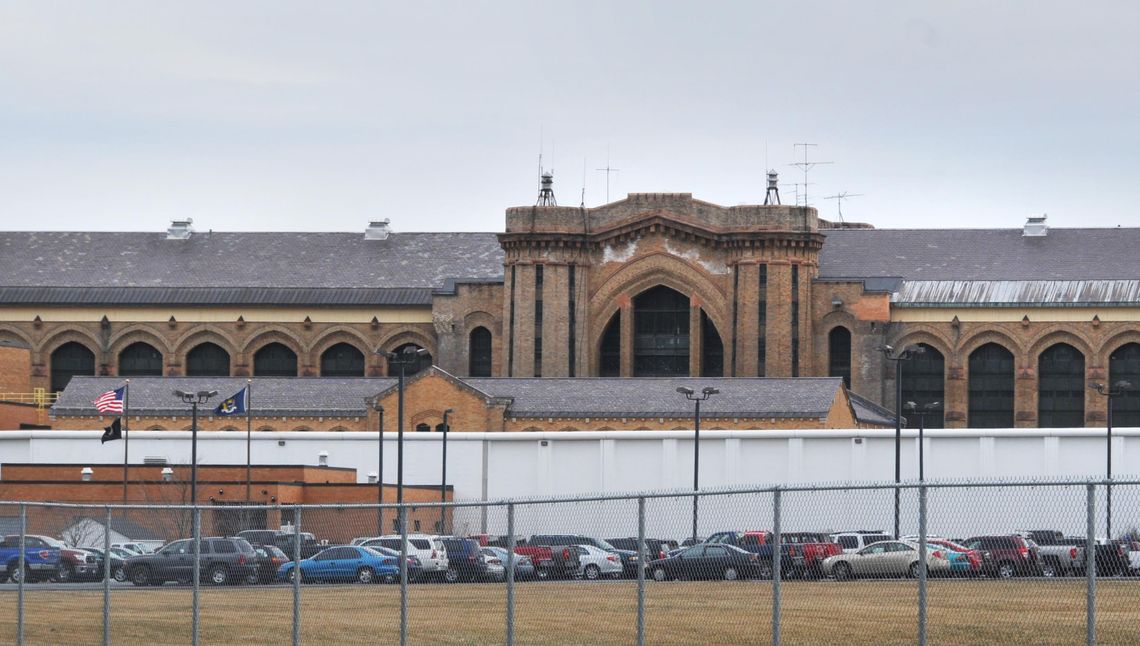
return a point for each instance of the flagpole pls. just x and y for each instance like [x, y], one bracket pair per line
[248, 440]
[126, 436]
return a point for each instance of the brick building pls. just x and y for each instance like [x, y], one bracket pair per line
[1015, 323]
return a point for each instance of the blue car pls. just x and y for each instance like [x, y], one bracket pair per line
[344, 563]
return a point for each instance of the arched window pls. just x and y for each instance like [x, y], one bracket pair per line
[661, 333]
[69, 360]
[423, 428]
[1124, 365]
[712, 349]
[609, 360]
[207, 360]
[140, 360]
[417, 364]
[479, 353]
[839, 355]
[342, 360]
[1060, 387]
[275, 360]
[991, 387]
[924, 382]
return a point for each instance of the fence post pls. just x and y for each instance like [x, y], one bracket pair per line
[23, 570]
[641, 558]
[197, 574]
[297, 574]
[403, 575]
[107, 579]
[777, 566]
[510, 573]
[1090, 565]
[922, 565]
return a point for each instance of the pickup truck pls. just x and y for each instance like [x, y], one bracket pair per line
[1062, 555]
[1111, 558]
[791, 556]
[815, 548]
[551, 561]
[41, 557]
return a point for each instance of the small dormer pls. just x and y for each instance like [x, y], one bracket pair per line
[377, 230]
[1035, 227]
[180, 229]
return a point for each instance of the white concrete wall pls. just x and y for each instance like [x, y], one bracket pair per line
[518, 465]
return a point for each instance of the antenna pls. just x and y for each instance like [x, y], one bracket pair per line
[608, 169]
[582, 204]
[806, 166]
[839, 197]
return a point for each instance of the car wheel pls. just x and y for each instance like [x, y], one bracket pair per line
[219, 575]
[119, 574]
[1006, 570]
[764, 570]
[252, 579]
[730, 574]
[1049, 569]
[66, 574]
[293, 574]
[912, 571]
[659, 574]
[841, 571]
[140, 576]
[391, 578]
[451, 575]
[365, 575]
[15, 573]
[592, 572]
[542, 574]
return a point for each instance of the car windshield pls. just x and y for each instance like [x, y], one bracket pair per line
[606, 546]
[373, 552]
[54, 542]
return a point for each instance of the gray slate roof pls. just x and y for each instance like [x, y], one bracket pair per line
[248, 268]
[286, 396]
[981, 254]
[804, 397]
[1016, 293]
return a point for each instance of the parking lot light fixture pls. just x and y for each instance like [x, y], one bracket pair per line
[195, 399]
[401, 359]
[898, 357]
[690, 394]
[380, 467]
[1111, 392]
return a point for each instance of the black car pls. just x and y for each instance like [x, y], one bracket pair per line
[223, 560]
[118, 565]
[269, 558]
[464, 560]
[707, 561]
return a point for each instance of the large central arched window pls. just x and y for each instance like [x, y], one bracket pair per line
[140, 360]
[479, 353]
[275, 360]
[69, 360]
[661, 333]
[991, 387]
[1124, 365]
[207, 360]
[1061, 387]
[342, 360]
[924, 383]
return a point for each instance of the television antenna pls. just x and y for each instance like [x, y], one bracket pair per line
[839, 197]
[608, 170]
[806, 166]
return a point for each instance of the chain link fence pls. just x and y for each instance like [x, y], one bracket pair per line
[1047, 562]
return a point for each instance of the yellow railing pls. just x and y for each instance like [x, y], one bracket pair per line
[40, 398]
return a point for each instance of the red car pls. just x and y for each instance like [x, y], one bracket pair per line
[814, 547]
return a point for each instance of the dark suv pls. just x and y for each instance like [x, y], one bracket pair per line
[1006, 556]
[223, 560]
[464, 560]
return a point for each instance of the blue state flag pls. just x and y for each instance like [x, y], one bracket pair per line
[235, 405]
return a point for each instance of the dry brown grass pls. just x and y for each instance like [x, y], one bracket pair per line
[961, 612]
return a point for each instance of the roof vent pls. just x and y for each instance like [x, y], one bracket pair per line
[1035, 227]
[377, 230]
[155, 459]
[179, 229]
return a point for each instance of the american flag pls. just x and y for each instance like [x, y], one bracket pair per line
[111, 401]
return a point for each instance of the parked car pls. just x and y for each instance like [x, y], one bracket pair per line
[222, 561]
[310, 546]
[814, 547]
[628, 557]
[1056, 557]
[1111, 557]
[345, 563]
[655, 548]
[853, 541]
[415, 569]
[791, 556]
[74, 564]
[594, 563]
[496, 568]
[524, 568]
[429, 550]
[41, 558]
[707, 561]
[464, 560]
[140, 547]
[1006, 556]
[886, 559]
[972, 563]
[551, 561]
[270, 558]
[118, 564]
[1132, 548]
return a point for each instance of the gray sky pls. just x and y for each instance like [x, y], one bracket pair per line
[284, 115]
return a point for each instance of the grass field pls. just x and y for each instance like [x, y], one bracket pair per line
[961, 612]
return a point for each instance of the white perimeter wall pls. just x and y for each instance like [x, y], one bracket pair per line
[489, 466]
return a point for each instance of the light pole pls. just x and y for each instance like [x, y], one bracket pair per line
[898, 357]
[443, 480]
[706, 392]
[927, 409]
[401, 359]
[380, 468]
[194, 399]
[1111, 392]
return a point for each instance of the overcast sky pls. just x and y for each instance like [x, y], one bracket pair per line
[284, 115]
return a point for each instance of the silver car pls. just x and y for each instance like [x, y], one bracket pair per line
[885, 559]
[524, 568]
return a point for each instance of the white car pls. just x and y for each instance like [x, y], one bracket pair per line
[885, 559]
[594, 563]
[428, 549]
[852, 542]
[136, 548]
